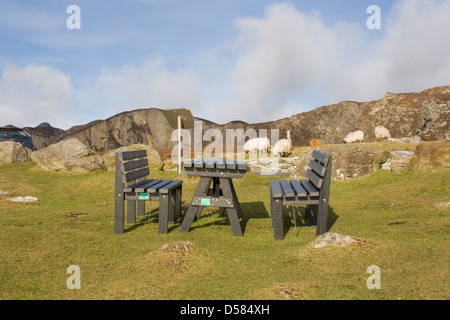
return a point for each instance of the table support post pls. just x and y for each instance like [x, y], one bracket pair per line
[233, 215]
[201, 191]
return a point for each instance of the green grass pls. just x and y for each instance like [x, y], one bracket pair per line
[400, 228]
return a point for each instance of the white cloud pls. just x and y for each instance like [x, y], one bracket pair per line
[34, 94]
[277, 65]
[283, 57]
[289, 61]
[146, 85]
[414, 54]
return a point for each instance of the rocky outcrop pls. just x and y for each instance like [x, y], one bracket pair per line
[153, 157]
[13, 152]
[147, 126]
[420, 115]
[398, 161]
[431, 154]
[43, 135]
[273, 165]
[349, 161]
[68, 156]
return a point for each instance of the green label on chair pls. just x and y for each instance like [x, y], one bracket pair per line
[205, 202]
[144, 196]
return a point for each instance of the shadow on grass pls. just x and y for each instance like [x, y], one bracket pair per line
[302, 219]
[250, 210]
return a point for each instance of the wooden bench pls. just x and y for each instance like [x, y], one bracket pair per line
[132, 185]
[313, 192]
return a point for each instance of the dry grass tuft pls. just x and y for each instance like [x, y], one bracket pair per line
[288, 291]
[315, 143]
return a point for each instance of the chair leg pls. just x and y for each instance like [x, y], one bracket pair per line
[179, 194]
[172, 207]
[140, 209]
[322, 217]
[276, 213]
[164, 204]
[119, 212]
[131, 211]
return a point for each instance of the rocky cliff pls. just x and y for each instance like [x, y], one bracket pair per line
[423, 114]
[43, 135]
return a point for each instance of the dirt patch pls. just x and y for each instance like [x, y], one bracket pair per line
[76, 214]
[164, 153]
[357, 244]
[289, 291]
[176, 255]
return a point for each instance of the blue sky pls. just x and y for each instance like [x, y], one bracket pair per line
[250, 60]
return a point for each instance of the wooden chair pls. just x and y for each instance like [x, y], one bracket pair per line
[314, 193]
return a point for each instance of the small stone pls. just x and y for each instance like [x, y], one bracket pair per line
[332, 239]
[443, 205]
[26, 199]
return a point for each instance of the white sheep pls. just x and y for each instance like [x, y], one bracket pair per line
[258, 144]
[354, 137]
[264, 145]
[381, 133]
[282, 147]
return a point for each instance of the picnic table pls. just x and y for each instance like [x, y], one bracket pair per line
[215, 189]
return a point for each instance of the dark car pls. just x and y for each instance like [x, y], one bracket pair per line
[10, 133]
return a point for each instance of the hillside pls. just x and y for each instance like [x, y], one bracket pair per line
[424, 114]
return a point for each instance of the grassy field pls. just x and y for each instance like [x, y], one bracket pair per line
[395, 218]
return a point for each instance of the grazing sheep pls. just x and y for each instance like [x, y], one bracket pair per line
[381, 133]
[357, 136]
[258, 144]
[264, 145]
[282, 147]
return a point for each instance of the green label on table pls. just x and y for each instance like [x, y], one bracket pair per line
[144, 196]
[205, 202]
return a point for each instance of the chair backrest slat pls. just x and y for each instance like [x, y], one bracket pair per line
[137, 174]
[131, 155]
[314, 178]
[320, 156]
[135, 164]
[318, 168]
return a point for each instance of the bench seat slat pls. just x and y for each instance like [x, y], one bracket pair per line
[231, 164]
[275, 189]
[314, 179]
[199, 163]
[147, 185]
[241, 165]
[169, 187]
[132, 187]
[210, 165]
[221, 164]
[155, 188]
[299, 191]
[312, 191]
[188, 164]
[287, 190]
